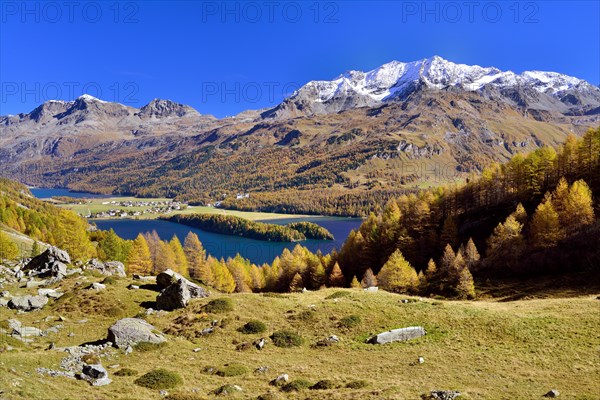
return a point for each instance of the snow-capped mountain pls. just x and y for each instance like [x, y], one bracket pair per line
[396, 81]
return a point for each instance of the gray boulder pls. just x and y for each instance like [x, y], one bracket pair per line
[178, 295]
[51, 263]
[97, 286]
[398, 335]
[95, 374]
[131, 331]
[552, 394]
[27, 303]
[108, 268]
[21, 331]
[168, 277]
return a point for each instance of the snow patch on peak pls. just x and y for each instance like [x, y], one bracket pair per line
[87, 97]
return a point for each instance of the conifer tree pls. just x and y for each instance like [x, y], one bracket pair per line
[471, 254]
[181, 263]
[243, 281]
[196, 257]
[397, 275]
[422, 281]
[545, 226]
[139, 260]
[447, 263]
[355, 284]
[111, 247]
[165, 258]
[154, 244]
[520, 214]
[579, 208]
[336, 278]
[316, 271]
[465, 288]
[449, 233]
[431, 270]
[223, 280]
[369, 279]
[297, 283]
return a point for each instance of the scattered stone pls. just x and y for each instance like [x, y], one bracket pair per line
[32, 283]
[196, 350]
[128, 350]
[55, 373]
[163, 393]
[207, 331]
[51, 293]
[421, 360]
[398, 335]
[95, 374]
[260, 343]
[372, 289]
[131, 331]
[97, 286]
[261, 370]
[444, 394]
[133, 287]
[179, 294]
[138, 277]
[331, 340]
[552, 394]
[51, 263]
[28, 303]
[71, 334]
[280, 380]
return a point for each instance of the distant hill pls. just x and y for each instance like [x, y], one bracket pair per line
[401, 126]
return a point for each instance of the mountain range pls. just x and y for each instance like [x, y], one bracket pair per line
[402, 125]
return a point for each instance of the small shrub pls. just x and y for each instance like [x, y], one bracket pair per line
[296, 385]
[268, 396]
[325, 384]
[232, 370]
[305, 316]
[144, 347]
[286, 339]
[357, 384]
[218, 306]
[349, 322]
[109, 280]
[91, 359]
[159, 379]
[253, 327]
[338, 295]
[126, 372]
[114, 311]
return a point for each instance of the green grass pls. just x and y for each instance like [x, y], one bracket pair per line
[96, 206]
[485, 349]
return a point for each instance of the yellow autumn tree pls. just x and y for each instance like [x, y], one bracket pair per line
[196, 258]
[397, 275]
[181, 263]
[139, 260]
[165, 258]
[336, 277]
[545, 226]
[223, 280]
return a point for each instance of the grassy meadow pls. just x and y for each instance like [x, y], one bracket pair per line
[484, 349]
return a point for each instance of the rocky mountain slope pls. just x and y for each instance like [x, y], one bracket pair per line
[400, 125]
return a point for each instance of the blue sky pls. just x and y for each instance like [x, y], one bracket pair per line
[223, 58]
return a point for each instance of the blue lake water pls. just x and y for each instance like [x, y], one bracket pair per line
[217, 245]
[225, 246]
[42, 193]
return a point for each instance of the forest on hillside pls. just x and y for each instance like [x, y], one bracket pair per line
[534, 215]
